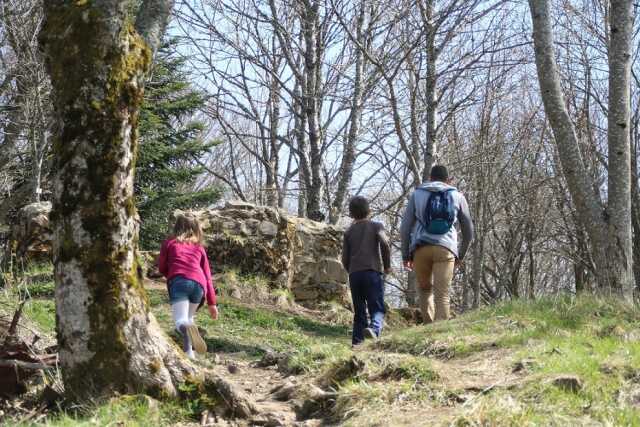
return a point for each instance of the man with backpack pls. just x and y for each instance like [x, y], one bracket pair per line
[430, 240]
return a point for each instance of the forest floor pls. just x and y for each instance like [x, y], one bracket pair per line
[560, 361]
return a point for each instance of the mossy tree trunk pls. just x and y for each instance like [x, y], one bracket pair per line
[97, 53]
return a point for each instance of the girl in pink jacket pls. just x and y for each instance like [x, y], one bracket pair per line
[183, 261]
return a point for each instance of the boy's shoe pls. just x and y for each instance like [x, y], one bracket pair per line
[369, 334]
[196, 340]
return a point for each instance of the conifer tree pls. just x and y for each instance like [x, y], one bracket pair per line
[170, 139]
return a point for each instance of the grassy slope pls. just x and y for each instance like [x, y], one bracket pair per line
[455, 372]
[595, 339]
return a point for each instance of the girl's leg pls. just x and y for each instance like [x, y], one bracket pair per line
[191, 320]
[195, 295]
[192, 313]
[180, 312]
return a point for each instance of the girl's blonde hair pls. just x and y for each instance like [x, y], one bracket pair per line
[187, 229]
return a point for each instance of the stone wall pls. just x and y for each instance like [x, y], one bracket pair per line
[30, 236]
[294, 253]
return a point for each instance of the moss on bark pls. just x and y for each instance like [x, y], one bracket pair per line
[97, 64]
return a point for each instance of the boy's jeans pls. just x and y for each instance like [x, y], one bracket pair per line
[367, 293]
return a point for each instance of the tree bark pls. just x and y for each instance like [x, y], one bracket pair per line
[349, 148]
[619, 123]
[609, 230]
[108, 339]
[430, 90]
[272, 159]
[311, 98]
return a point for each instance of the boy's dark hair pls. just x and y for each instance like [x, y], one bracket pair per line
[358, 207]
[439, 173]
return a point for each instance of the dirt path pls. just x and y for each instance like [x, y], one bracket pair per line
[267, 389]
[461, 380]
[477, 372]
[276, 396]
[271, 393]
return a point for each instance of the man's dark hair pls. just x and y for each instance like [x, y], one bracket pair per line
[358, 207]
[439, 173]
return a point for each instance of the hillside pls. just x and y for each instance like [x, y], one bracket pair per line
[559, 361]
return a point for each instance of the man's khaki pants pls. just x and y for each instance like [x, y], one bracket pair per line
[434, 270]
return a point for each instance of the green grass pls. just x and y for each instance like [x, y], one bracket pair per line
[512, 324]
[134, 410]
[253, 330]
[577, 339]
[596, 339]
[43, 313]
[593, 338]
[34, 283]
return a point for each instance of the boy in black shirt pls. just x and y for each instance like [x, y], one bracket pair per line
[366, 255]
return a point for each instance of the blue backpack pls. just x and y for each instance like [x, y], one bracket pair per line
[439, 214]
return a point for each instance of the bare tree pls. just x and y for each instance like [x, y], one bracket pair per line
[608, 224]
[26, 130]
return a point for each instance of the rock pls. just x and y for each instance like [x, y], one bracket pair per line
[410, 314]
[314, 402]
[31, 234]
[238, 204]
[50, 396]
[342, 371]
[633, 335]
[270, 419]
[616, 331]
[280, 301]
[233, 368]
[571, 383]
[293, 253]
[608, 369]
[284, 391]
[268, 229]
[310, 423]
[270, 358]
[237, 404]
[524, 365]
[151, 403]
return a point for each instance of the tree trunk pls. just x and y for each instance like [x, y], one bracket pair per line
[108, 340]
[430, 92]
[349, 149]
[619, 123]
[477, 269]
[301, 145]
[273, 163]
[609, 230]
[635, 202]
[311, 96]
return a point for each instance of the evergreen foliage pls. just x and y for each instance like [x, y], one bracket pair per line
[170, 139]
